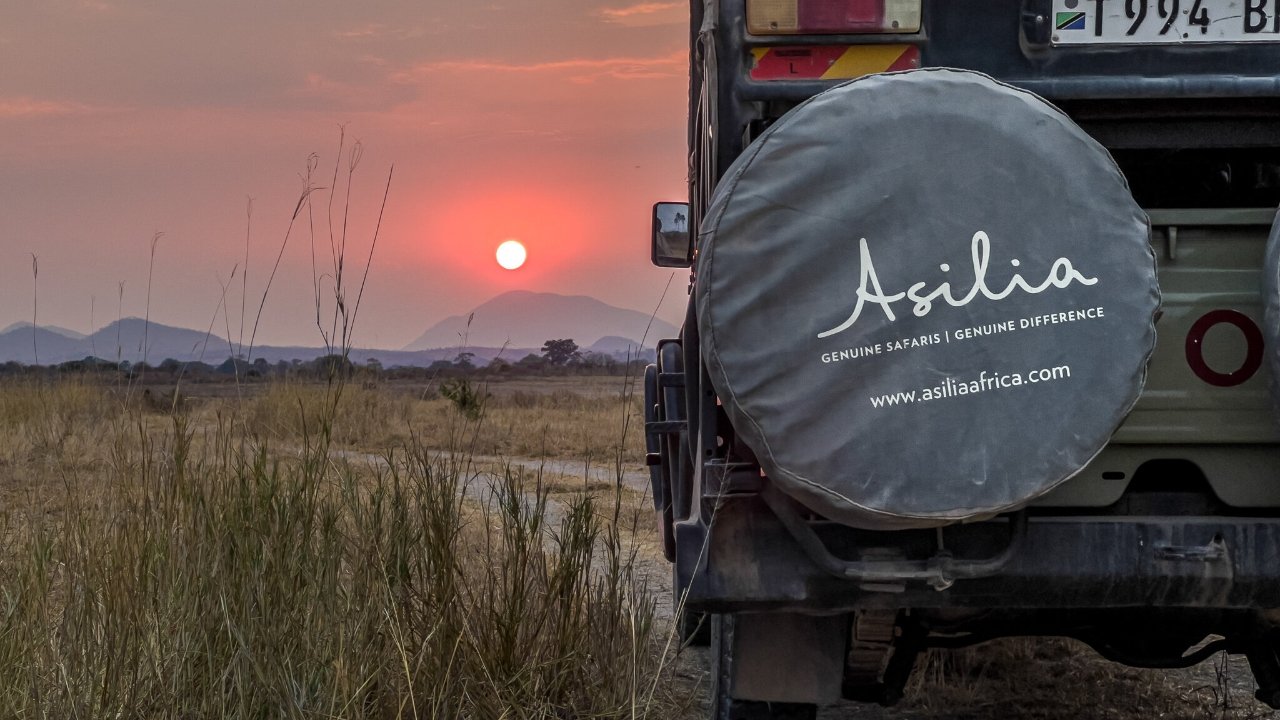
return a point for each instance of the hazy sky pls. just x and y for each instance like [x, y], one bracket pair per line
[557, 122]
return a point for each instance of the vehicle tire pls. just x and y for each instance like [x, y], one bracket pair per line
[724, 707]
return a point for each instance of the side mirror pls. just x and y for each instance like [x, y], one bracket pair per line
[670, 240]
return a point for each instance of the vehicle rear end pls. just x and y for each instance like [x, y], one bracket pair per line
[1165, 533]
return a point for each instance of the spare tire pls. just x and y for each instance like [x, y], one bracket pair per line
[925, 297]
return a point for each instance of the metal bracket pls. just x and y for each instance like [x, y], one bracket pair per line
[722, 479]
[1215, 551]
[661, 427]
[1036, 20]
[671, 379]
[939, 572]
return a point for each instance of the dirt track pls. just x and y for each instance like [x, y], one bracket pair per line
[1048, 680]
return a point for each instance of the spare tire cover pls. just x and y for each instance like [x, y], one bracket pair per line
[925, 297]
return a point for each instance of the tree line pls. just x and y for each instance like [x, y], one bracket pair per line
[560, 356]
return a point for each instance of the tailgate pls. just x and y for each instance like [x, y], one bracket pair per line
[1206, 401]
[1207, 381]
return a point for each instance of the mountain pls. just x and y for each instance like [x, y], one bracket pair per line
[509, 326]
[24, 325]
[163, 341]
[25, 346]
[122, 339]
[528, 319]
[614, 345]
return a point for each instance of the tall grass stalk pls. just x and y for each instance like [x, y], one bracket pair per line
[244, 279]
[119, 320]
[35, 308]
[146, 319]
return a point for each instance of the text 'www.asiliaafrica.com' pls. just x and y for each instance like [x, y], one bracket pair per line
[985, 382]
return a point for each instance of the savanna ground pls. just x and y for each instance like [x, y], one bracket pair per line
[373, 550]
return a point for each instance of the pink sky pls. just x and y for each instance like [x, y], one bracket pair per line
[557, 122]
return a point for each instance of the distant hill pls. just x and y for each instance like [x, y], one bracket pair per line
[21, 344]
[528, 319]
[509, 326]
[121, 339]
[614, 345]
[24, 325]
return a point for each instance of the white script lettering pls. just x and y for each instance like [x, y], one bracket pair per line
[1061, 275]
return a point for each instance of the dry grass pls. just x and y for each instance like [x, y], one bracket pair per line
[560, 421]
[578, 419]
[367, 417]
[222, 561]
[327, 550]
[560, 424]
[216, 555]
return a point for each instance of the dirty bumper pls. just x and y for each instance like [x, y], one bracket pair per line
[750, 561]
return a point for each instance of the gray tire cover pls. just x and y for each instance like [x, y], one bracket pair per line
[925, 297]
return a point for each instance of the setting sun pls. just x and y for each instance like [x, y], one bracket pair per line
[511, 254]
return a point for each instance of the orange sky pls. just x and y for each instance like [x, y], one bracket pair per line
[557, 122]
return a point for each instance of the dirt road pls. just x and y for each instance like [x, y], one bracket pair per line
[1047, 679]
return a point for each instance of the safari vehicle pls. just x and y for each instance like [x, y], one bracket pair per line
[980, 338]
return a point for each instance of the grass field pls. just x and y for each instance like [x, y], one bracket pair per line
[365, 550]
[317, 551]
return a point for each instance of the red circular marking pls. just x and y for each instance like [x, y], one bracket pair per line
[1195, 348]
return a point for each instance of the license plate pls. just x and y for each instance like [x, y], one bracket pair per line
[1164, 22]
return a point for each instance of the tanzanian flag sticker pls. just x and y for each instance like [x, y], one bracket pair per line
[1070, 21]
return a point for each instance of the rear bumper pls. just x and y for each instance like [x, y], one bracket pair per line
[746, 560]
